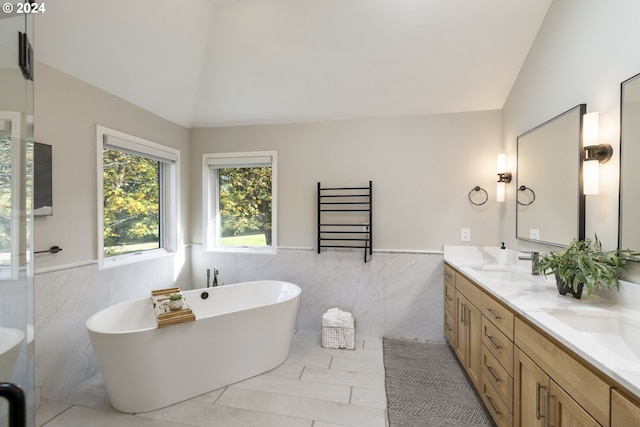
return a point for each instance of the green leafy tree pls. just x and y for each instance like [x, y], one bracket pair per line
[131, 200]
[245, 201]
[5, 193]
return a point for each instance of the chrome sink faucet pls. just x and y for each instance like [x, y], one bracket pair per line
[534, 257]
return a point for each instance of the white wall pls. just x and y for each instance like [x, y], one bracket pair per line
[67, 111]
[584, 50]
[422, 168]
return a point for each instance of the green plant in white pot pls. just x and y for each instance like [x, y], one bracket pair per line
[584, 263]
[176, 301]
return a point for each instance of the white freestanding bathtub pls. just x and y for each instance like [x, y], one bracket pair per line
[10, 341]
[240, 331]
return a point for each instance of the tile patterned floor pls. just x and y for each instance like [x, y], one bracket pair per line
[314, 387]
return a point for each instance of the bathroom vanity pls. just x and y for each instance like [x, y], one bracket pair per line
[538, 358]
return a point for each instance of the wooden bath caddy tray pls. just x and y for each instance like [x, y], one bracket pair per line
[164, 315]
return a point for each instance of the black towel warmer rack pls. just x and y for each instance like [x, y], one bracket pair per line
[345, 218]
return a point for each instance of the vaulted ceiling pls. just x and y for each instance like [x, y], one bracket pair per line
[234, 62]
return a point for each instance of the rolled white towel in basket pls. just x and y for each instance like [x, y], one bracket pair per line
[346, 319]
[330, 318]
[338, 329]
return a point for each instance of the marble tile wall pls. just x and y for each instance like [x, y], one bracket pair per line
[67, 297]
[395, 294]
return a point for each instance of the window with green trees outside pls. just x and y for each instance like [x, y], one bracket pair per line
[241, 201]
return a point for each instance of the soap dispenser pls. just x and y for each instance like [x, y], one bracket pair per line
[503, 255]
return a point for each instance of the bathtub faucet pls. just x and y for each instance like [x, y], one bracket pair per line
[215, 276]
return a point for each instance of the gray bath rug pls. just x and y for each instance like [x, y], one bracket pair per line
[426, 386]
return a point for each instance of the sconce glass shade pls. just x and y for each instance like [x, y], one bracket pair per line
[591, 177]
[594, 154]
[500, 190]
[590, 129]
[501, 164]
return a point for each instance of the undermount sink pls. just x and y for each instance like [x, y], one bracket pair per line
[500, 273]
[614, 331]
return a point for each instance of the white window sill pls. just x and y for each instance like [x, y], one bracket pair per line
[244, 250]
[132, 258]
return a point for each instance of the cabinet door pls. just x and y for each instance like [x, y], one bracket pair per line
[468, 338]
[474, 360]
[530, 392]
[462, 334]
[624, 412]
[565, 412]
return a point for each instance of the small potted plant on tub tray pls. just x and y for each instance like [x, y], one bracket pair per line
[176, 301]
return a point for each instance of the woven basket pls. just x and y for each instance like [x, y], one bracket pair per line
[339, 337]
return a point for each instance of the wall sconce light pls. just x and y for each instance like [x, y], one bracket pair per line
[594, 154]
[504, 177]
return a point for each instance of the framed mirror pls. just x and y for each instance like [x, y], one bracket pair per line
[629, 224]
[549, 202]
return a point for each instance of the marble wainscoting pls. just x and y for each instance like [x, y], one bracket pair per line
[396, 294]
[66, 297]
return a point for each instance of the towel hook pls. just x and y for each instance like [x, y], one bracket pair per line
[476, 189]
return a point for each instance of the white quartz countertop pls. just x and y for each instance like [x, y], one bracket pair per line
[605, 334]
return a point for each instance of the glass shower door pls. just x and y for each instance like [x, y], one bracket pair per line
[16, 181]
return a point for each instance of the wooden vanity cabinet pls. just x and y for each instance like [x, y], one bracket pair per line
[625, 412]
[524, 377]
[547, 379]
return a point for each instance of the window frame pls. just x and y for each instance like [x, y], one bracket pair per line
[169, 174]
[210, 199]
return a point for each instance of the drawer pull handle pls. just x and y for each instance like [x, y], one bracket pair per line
[549, 416]
[496, 317]
[493, 343]
[448, 298]
[546, 408]
[495, 410]
[538, 387]
[493, 374]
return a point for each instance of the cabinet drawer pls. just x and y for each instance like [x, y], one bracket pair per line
[498, 314]
[449, 274]
[498, 410]
[582, 384]
[469, 290]
[498, 377]
[450, 326]
[498, 345]
[449, 297]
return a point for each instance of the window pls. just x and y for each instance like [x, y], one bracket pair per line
[239, 202]
[12, 194]
[137, 198]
